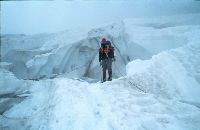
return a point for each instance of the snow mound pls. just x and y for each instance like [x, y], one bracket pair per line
[173, 73]
[162, 94]
[75, 52]
[71, 104]
[161, 90]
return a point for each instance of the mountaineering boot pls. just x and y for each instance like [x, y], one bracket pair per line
[104, 76]
[110, 75]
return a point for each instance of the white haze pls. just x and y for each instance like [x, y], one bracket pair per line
[32, 17]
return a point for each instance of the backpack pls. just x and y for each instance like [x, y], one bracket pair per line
[107, 49]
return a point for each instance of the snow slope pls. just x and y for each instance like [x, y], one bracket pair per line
[162, 93]
[72, 104]
[158, 92]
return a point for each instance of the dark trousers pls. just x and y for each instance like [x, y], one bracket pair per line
[107, 65]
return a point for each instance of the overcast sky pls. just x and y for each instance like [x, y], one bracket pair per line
[31, 17]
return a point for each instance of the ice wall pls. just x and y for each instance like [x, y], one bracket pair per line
[75, 52]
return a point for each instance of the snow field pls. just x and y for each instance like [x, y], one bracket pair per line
[160, 91]
[71, 104]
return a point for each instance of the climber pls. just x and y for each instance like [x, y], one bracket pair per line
[106, 57]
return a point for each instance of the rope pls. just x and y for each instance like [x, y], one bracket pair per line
[131, 83]
[124, 63]
[55, 75]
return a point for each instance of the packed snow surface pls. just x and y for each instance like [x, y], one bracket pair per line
[158, 65]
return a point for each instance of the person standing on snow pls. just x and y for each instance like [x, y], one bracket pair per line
[106, 57]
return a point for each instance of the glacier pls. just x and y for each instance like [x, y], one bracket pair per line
[51, 81]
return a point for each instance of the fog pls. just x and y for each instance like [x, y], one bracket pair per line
[32, 17]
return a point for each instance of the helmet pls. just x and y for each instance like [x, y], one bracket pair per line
[103, 41]
[108, 43]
